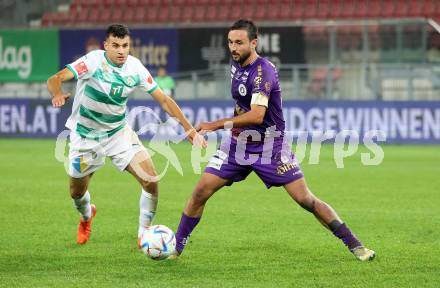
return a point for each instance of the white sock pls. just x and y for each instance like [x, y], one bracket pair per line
[147, 206]
[83, 206]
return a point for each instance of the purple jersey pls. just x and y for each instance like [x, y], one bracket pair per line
[259, 77]
[275, 163]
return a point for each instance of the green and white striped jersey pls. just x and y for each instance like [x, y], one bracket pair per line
[102, 89]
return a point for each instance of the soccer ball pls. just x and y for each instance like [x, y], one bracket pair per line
[158, 242]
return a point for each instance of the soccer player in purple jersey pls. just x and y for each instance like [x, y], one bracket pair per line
[257, 133]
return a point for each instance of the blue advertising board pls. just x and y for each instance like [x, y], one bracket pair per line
[414, 122]
[154, 47]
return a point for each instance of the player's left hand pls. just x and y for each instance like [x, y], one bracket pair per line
[196, 139]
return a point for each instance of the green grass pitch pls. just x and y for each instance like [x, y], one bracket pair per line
[248, 236]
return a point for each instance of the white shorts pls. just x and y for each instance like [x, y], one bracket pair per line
[87, 156]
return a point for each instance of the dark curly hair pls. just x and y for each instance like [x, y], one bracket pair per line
[117, 30]
[247, 25]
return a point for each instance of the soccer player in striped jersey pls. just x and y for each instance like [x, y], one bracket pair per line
[98, 124]
[257, 132]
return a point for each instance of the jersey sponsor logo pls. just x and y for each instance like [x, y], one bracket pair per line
[258, 80]
[286, 162]
[150, 80]
[259, 77]
[81, 68]
[267, 86]
[116, 90]
[242, 89]
[238, 75]
[282, 169]
[105, 67]
[245, 76]
[130, 81]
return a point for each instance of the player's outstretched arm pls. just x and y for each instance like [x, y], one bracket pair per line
[253, 117]
[54, 86]
[171, 107]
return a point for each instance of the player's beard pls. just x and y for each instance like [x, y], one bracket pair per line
[242, 58]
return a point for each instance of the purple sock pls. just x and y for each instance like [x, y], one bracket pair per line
[344, 233]
[186, 226]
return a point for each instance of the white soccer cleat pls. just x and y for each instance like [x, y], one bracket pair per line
[363, 254]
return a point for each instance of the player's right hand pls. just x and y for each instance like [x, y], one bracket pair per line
[60, 100]
[197, 139]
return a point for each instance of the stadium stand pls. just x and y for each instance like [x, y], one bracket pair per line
[339, 52]
[94, 12]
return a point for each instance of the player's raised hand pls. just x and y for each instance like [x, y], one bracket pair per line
[60, 100]
[196, 139]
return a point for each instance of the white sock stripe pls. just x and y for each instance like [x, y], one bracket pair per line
[83, 200]
[146, 217]
[148, 195]
[83, 206]
[147, 205]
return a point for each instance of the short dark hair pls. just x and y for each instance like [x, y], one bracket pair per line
[117, 30]
[247, 25]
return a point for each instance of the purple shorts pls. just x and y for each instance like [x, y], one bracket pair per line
[275, 165]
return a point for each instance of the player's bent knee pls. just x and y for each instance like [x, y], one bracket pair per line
[142, 168]
[147, 176]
